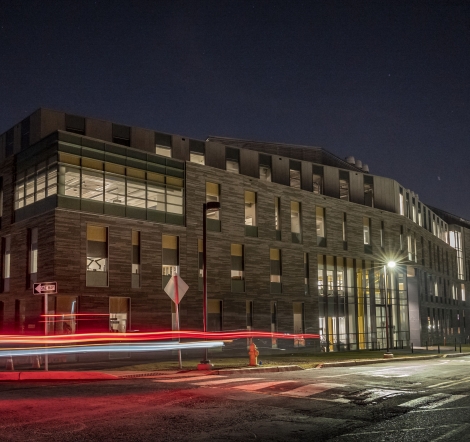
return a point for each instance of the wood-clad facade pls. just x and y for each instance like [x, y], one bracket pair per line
[329, 275]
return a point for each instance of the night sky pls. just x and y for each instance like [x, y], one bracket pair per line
[387, 82]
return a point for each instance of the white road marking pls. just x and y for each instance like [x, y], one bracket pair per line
[453, 398]
[450, 383]
[259, 385]
[452, 432]
[309, 390]
[377, 393]
[423, 400]
[224, 381]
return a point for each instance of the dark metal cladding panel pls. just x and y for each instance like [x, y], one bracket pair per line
[51, 121]
[384, 195]
[356, 187]
[180, 148]
[331, 181]
[215, 155]
[35, 127]
[249, 163]
[143, 139]
[281, 170]
[103, 130]
[306, 173]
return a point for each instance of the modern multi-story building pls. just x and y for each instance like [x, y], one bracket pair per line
[299, 244]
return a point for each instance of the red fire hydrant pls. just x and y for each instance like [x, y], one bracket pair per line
[253, 353]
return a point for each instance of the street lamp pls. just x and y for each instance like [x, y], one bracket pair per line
[391, 265]
[211, 206]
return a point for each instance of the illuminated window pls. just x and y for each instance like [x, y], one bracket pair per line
[250, 208]
[97, 256]
[366, 229]
[238, 268]
[317, 179]
[119, 314]
[232, 160]
[33, 255]
[296, 225]
[345, 231]
[306, 274]
[6, 246]
[320, 226]
[277, 217]
[197, 150]
[294, 174]
[135, 283]
[170, 258]
[401, 202]
[265, 167]
[369, 190]
[462, 288]
[276, 270]
[344, 185]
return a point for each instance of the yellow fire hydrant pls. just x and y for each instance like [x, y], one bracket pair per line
[253, 353]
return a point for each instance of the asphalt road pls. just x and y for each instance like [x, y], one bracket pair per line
[412, 401]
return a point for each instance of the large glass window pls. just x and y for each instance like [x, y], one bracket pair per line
[136, 195]
[97, 256]
[92, 185]
[115, 189]
[164, 151]
[155, 196]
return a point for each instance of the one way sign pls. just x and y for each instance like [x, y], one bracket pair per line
[45, 288]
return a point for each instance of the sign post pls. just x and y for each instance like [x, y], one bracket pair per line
[176, 289]
[44, 289]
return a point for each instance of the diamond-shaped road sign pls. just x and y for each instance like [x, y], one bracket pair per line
[45, 288]
[176, 293]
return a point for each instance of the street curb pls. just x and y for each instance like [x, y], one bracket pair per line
[383, 361]
[252, 370]
[56, 376]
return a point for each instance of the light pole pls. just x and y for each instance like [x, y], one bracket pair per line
[391, 265]
[211, 206]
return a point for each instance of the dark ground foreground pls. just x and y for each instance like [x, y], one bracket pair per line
[401, 401]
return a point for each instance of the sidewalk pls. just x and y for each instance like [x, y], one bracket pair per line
[105, 370]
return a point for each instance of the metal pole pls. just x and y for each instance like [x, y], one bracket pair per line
[177, 302]
[412, 349]
[386, 308]
[46, 320]
[204, 277]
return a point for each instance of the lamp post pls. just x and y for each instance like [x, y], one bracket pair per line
[211, 206]
[391, 265]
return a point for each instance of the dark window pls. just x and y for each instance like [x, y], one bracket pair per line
[317, 179]
[344, 185]
[197, 146]
[294, 172]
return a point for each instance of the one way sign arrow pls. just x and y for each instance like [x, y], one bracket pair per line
[45, 288]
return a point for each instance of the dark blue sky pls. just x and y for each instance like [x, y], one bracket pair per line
[385, 81]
